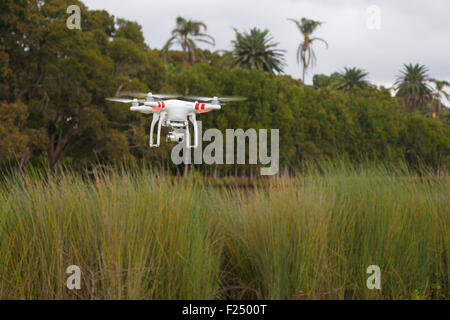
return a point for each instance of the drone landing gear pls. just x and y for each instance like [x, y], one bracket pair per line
[191, 117]
[156, 118]
[161, 120]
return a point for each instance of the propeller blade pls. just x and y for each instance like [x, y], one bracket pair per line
[208, 99]
[133, 94]
[149, 94]
[195, 98]
[229, 99]
[167, 95]
[123, 100]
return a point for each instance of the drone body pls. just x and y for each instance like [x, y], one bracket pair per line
[178, 110]
[174, 113]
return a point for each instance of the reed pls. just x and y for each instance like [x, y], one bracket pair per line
[137, 234]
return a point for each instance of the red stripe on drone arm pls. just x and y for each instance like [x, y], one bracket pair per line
[203, 106]
[196, 106]
[159, 104]
[163, 104]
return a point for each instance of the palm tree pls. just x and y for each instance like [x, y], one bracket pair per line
[440, 93]
[305, 52]
[351, 78]
[412, 86]
[186, 34]
[256, 50]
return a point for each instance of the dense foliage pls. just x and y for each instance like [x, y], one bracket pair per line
[137, 234]
[53, 82]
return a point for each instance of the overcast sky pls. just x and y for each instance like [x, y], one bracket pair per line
[415, 31]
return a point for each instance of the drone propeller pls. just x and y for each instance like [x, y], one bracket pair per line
[219, 99]
[134, 102]
[150, 95]
[124, 100]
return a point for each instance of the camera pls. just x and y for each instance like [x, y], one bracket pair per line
[175, 136]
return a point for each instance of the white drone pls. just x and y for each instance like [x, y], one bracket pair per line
[174, 113]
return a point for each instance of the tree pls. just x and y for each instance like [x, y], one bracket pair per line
[186, 34]
[62, 76]
[53, 82]
[256, 50]
[351, 78]
[440, 93]
[305, 52]
[129, 59]
[13, 145]
[99, 21]
[131, 31]
[412, 86]
[323, 81]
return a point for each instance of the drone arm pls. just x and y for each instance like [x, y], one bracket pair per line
[213, 106]
[205, 107]
[142, 109]
[155, 104]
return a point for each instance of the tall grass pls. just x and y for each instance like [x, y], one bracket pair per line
[139, 235]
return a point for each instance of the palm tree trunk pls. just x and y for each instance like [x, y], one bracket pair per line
[304, 72]
[438, 110]
[303, 79]
[184, 55]
[184, 60]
